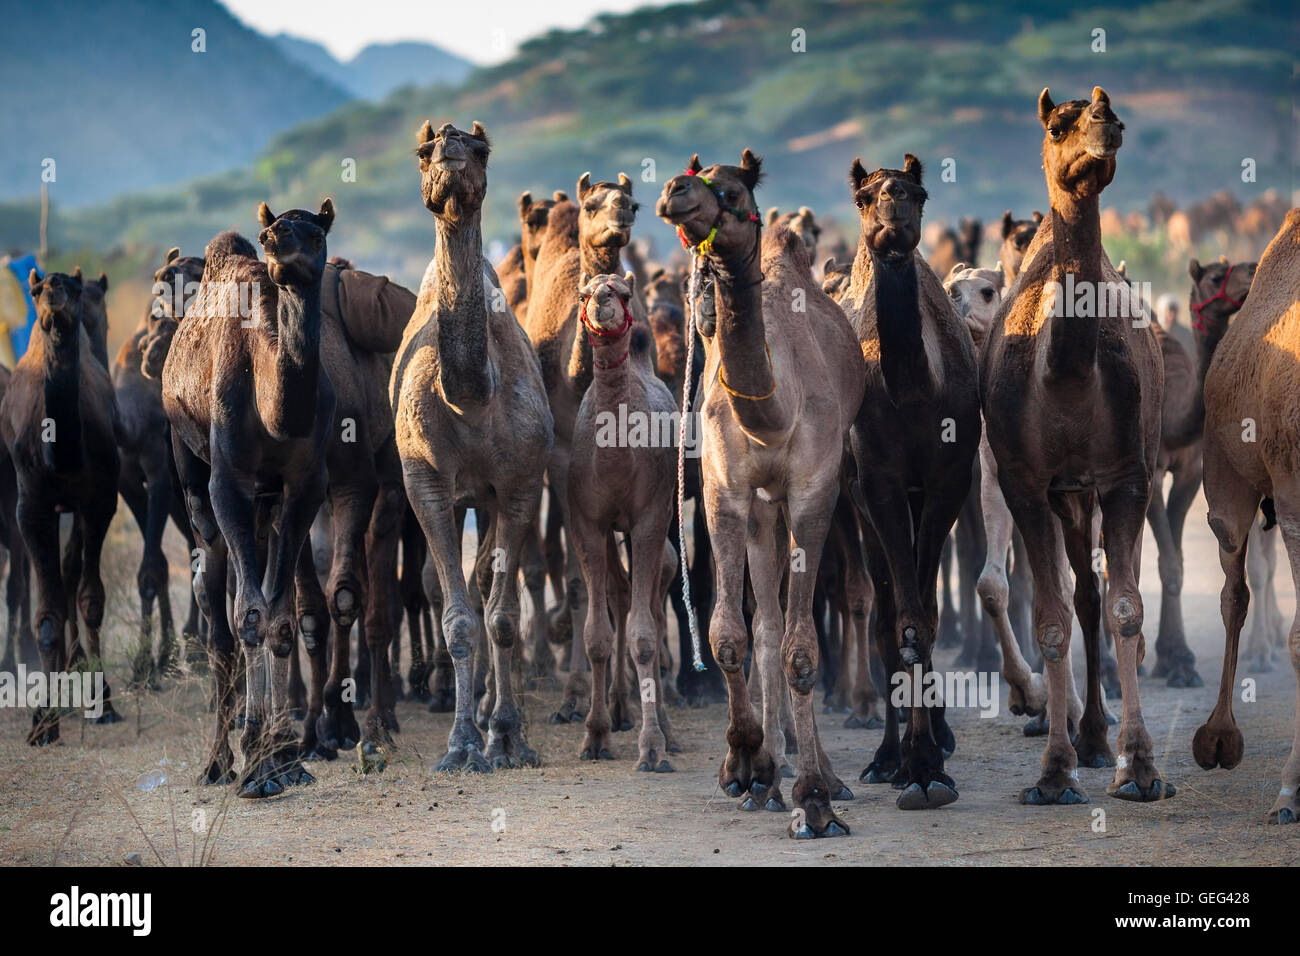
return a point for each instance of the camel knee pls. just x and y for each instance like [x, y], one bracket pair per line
[1171, 575]
[502, 629]
[800, 666]
[993, 591]
[91, 603]
[1125, 614]
[728, 647]
[460, 631]
[1053, 637]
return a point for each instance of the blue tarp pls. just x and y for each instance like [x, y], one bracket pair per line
[20, 334]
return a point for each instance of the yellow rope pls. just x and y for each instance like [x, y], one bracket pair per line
[753, 398]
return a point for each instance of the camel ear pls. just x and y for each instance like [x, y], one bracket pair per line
[1122, 268]
[1223, 259]
[1002, 275]
[857, 174]
[1100, 96]
[479, 132]
[584, 186]
[1038, 217]
[264, 214]
[325, 218]
[103, 282]
[525, 200]
[583, 280]
[772, 215]
[76, 273]
[656, 275]
[173, 254]
[806, 212]
[1007, 224]
[694, 165]
[624, 183]
[956, 270]
[560, 196]
[1045, 107]
[912, 167]
[1194, 269]
[828, 266]
[751, 168]
[424, 134]
[630, 279]
[33, 282]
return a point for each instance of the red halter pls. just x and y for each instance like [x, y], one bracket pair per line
[592, 330]
[1200, 324]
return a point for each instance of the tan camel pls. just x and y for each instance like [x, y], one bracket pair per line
[802, 222]
[1072, 388]
[516, 270]
[1251, 437]
[472, 429]
[780, 388]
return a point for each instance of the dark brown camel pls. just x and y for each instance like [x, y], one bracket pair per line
[19, 645]
[59, 424]
[252, 414]
[473, 428]
[920, 369]
[1072, 390]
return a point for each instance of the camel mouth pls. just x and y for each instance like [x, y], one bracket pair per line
[677, 207]
[450, 165]
[1101, 152]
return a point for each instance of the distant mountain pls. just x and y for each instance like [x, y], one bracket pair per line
[379, 68]
[114, 92]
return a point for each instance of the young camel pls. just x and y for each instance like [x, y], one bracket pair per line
[252, 411]
[1218, 291]
[1250, 456]
[781, 386]
[473, 428]
[59, 424]
[622, 483]
[920, 368]
[1072, 409]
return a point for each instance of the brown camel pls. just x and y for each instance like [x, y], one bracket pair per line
[473, 428]
[585, 237]
[622, 482]
[920, 369]
[19, 646]
[1072, 390]
[252, 413]
[780, 387]
[1017, 234]
[802, 222]
[950, 246]
[59, 423]
[1250, 456]
[1218, 291]
[516, 269]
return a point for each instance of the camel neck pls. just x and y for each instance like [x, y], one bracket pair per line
[600, 260]
[61, 446]
[461, 309]
[903, 361]
[612, 369]
[1076, 255]
[741, 338]
[297, 359]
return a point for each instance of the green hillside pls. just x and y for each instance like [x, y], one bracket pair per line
[1200, 84]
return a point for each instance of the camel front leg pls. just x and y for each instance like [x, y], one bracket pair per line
[96, 518]
[1261, 565]
[767, 565]
[380, 566]
[39, 523]
[589, 545]
[646, 545]
[1174, 659]
[313, 624]
[1286, 808]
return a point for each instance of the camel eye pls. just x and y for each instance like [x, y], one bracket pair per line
[1054, 132]
[988, 295]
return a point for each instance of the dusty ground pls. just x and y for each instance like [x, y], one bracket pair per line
[78, 803]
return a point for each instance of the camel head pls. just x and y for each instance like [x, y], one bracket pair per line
[889, 204]
[175, 283]
[976, 295]
[605, 212]
[835, 276]
[607, 303]
[1219, 289]
[453, 169]
[534, 214]
[1080, 139]
[58, 299]
[713, 207]
[802, 223]
[294, 243]
[1017, 234]
[665, 301]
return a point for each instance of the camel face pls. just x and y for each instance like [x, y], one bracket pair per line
[720, 198]
[1218, 290]
[802, 223]
[294, 243]
[889, 204]
[1017, 234]
[533, 219]
[606, 302]
[58, 299]
[453, 169]
[976, 294]
[606, 211]
[1080, 142]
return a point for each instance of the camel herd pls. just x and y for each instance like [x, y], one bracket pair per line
[840, 429]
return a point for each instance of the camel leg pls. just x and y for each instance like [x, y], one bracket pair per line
[559, 618]
[442, 677]
[480, 587]
[1020, 607]
[95, 519]
[1090, 745]
[888, 756]
[860, 593]
[619, 590]
[1174, 659]
[194, 631]
[380, 567]
[1261, 564]
[415, 605]
[39, 523]
[589, 544]
[132, 489]
[664, 689]
[949, 620]
[646, 542]
[541, 664]
[767, 565]
[970, 547]
[577, 686]
[313, 615]
[431, 496]
[1286, 808]
[154, 578]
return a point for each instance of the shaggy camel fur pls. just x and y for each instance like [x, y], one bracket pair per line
[585, 237]
[59, 424]
[252, 411]
[622, 483]
[920, 369]
[473, 428]
[781, 386]
[1072, 390]
[1017, 234]
[1251, 437]
[1218, 290]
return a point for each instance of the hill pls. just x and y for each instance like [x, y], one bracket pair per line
[380, 68]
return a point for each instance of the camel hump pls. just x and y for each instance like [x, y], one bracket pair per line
[374, 310]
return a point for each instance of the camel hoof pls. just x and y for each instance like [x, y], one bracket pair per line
[775, 804]
[590, 754]
[297, 714]
[320, 752]
[216, 776]
[1283, 816]
[1096, 761]
[1038, 727]
[843, 793]
[937, 794]
[749, 804]
[672, 747]
[371, 758]
[665, 767]
[876, 772]
[1036, 797]
[833, 829]
[1185, 677]
[1159, 790]
[733, 789]
[1214, 749]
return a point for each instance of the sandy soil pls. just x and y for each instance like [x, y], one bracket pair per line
[78, 803]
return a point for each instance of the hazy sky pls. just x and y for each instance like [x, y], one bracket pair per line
[484, 31]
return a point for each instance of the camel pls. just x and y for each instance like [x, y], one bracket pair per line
[94, 314]
[59, 424]
[585, 236]
[252, 412]
[1218, 291]
[19, 645]
[1043, 367]
[473, 428]
[1249, 456]
[802, 222]
[950, 246]
[622, 483]
[911, 482]
[1017, 234]
[148, 479]
[836, 276]
[516, 270]
[780, 388]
